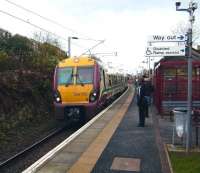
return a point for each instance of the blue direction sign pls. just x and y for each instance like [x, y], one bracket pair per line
[165, 51]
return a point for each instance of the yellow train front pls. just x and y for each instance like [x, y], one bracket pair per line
[82, 87]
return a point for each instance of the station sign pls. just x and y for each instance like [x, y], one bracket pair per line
[156, 51]
[167, 38]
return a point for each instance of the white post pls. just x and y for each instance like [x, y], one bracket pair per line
[190, 10]
[69, 47]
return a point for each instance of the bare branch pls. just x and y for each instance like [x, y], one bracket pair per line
[182, 28]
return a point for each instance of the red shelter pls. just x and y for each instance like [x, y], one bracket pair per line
[170, 83]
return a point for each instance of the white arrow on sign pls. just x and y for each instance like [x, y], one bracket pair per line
[167, 38]
[165, 51]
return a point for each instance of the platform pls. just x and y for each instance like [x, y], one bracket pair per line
[113, 143]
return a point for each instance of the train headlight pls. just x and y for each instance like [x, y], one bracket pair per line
[93, 96]
[57, 97]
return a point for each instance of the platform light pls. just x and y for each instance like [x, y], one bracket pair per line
[69, 44]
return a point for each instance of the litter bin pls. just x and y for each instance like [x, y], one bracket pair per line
[180, 120]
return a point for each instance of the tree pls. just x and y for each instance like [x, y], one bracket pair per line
[48, 50]
[3, 44]
[4, 60]
[182, 28]
[44, 37]
[20, 48]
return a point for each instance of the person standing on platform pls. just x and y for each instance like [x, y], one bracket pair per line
[142, 103]
[148, 94]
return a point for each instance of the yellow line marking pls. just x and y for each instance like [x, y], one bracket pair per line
[89, 158]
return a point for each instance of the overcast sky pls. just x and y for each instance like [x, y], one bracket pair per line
[124, 24]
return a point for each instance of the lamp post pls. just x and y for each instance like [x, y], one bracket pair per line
[148, 62]
[69, 45]
[190, 10]
[145, 62]
[150, 71]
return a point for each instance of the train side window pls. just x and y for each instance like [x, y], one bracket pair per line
[100, 74]
[113, 80]
[104, 79]
[110, 80]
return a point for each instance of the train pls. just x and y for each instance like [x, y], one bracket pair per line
[82, 87]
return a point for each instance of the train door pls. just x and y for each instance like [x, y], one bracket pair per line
[102, 81]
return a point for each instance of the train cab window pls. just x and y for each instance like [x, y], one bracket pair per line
[64, 75]
[84, 75]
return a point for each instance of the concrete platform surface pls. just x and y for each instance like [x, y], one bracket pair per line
[132, 142]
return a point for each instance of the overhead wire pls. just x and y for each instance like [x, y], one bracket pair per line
[52, 21]
[49, 20]
[36, 26]
[89, 50]
[78, 45]
[89, 39]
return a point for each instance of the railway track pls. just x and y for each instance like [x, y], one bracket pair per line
[24, 158]
[20, 161]
[29, 155]
[21, 153]
[89, 131]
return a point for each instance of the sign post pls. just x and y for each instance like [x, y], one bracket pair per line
[192, 7]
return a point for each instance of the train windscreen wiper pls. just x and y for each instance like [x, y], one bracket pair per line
[69, 80]
[80, 81]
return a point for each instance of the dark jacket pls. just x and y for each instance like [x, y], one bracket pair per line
[148, 88]
[141, 93]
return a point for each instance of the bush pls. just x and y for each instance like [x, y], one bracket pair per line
[26, 71]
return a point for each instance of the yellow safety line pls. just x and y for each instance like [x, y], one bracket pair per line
[89, 158]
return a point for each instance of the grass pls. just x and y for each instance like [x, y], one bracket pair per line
[185, 163]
